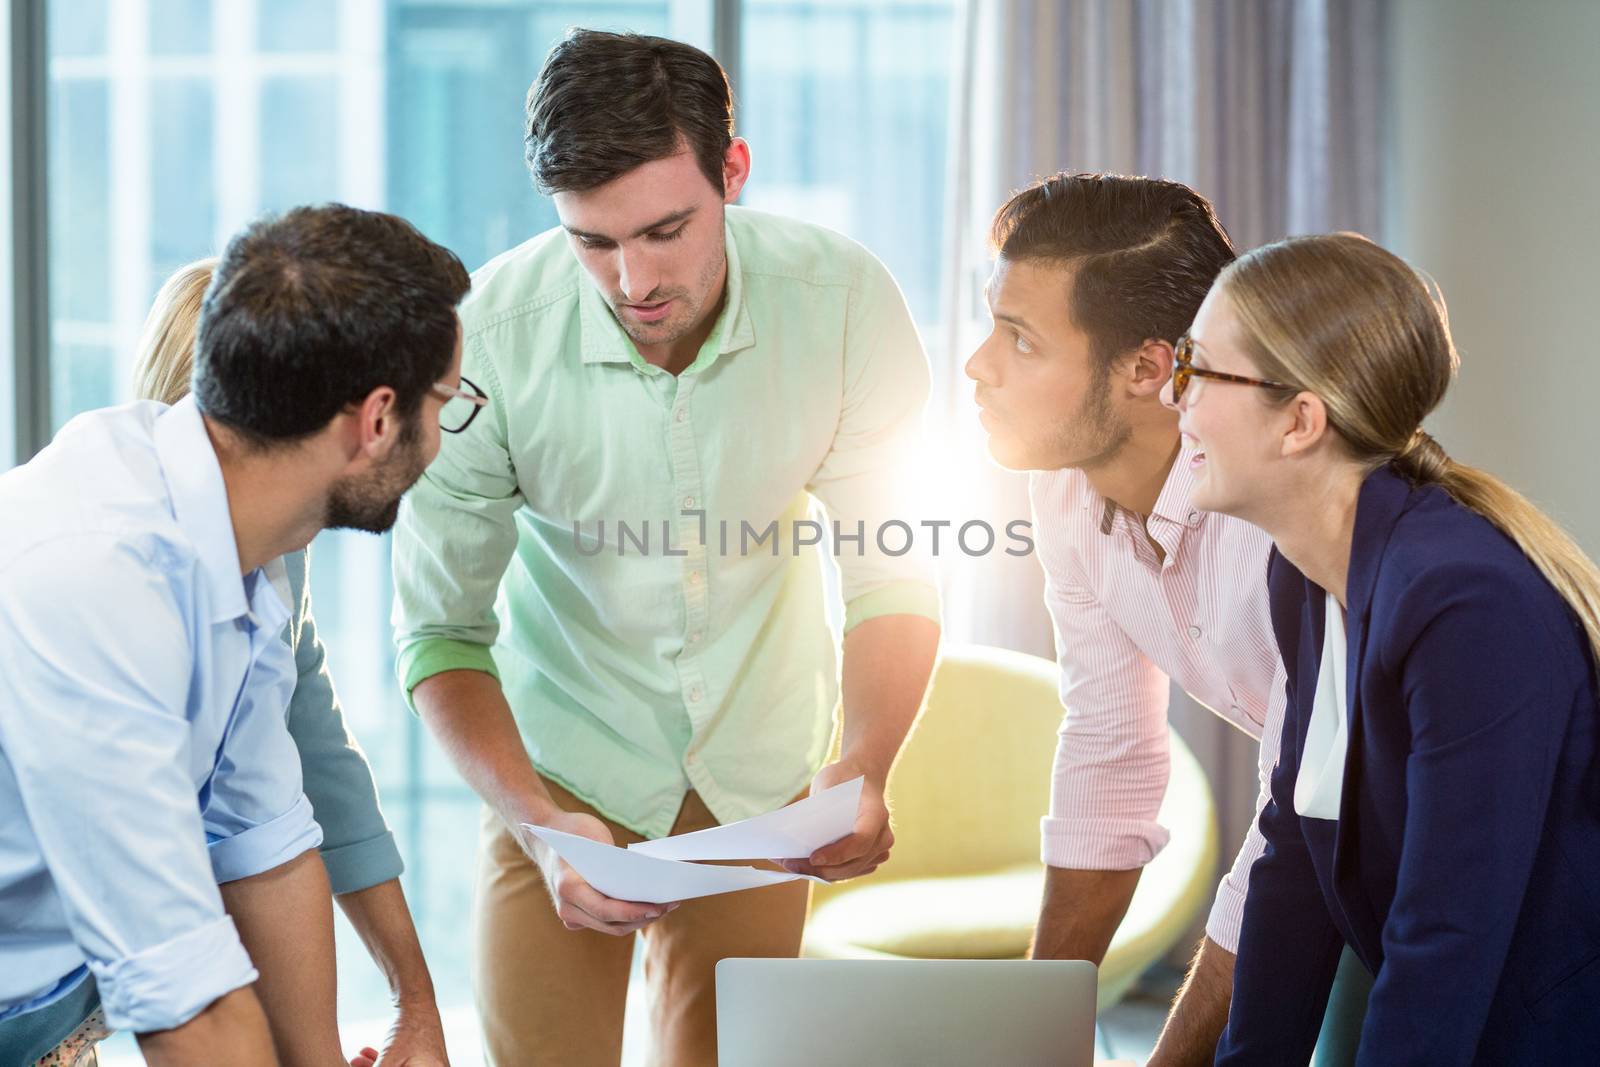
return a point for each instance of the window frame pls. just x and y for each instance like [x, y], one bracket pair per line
[26, 296]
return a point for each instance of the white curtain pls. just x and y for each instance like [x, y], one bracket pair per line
[1273, 109]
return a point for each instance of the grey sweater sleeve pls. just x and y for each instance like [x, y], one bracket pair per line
[358, 848]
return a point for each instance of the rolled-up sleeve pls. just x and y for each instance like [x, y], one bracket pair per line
[1112, 760]
[257, 816]
[358, 848]
[260, 846]
[94, 670]
[455, 535]
[866, 480]
[166, 985]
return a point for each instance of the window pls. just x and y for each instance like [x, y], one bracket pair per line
[173, 122]
[845, 104]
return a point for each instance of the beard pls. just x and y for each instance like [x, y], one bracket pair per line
[684, 319]
[372, 502]
[1094, 435]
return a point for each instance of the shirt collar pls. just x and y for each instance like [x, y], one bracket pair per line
[1175, 503]
[604, 340]
[277, 575]
[269, 610]
[200, 503]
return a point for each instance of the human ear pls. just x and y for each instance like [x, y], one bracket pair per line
[735, 169]
[378, 424]
[1306, 425]
[1150, 367]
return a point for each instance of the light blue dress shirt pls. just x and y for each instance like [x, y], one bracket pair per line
[144, 755]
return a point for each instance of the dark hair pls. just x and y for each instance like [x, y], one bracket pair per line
[605, 103]
[1143, 252]
[310, 311]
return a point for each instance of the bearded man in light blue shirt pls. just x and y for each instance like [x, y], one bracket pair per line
[144, 755]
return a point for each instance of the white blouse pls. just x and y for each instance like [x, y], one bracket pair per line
[1321, 780]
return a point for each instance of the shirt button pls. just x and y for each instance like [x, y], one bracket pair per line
[694, 695]
[1194, 631]
[694, 638]
[694, 577]
[682, 415]
[1194, 516]
[688, 501]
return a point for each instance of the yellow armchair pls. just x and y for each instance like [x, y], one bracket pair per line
[964, 880]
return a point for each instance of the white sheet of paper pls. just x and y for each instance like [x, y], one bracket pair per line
[624, 875]
[791, 833]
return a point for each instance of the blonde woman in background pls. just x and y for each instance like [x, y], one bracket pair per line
[165, 361]
[1436, 803]
[357, 848]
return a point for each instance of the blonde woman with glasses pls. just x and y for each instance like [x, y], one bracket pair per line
[1436, 804]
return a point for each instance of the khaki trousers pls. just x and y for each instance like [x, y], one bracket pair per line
[549, 995]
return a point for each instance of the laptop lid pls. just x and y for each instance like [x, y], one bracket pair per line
[994, 1013]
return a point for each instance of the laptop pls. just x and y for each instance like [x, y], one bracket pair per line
[927, 1013]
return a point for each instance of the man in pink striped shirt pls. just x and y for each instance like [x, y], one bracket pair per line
[1096, 278]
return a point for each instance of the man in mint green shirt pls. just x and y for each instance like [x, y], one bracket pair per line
[609, 603]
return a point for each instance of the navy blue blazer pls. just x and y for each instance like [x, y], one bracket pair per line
[1464, 867]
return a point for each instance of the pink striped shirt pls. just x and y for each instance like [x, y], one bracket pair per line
[1125, 624]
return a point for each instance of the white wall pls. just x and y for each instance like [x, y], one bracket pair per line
[1492, 179]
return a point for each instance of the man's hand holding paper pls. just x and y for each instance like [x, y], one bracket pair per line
[598, 886]
[866, 845]
[579, 905]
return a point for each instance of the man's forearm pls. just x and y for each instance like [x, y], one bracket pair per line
[467, 713]
[232, 1030]
[285, 921]
[1080, 913]
[1200, 1012]
[383, 921]
[884, 676]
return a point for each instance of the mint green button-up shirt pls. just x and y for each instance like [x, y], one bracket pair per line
[689, 647]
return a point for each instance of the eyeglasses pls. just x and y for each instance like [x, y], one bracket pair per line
[461, 405]
[1183, 369]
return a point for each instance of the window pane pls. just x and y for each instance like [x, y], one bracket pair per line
[299, 25]
[82, 376]
[182, 146]
[845, 103]
[77, 27]
[80, 244]
[180, 27]
[299, 141]
[79, 202]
